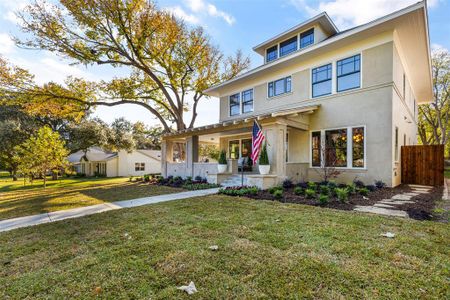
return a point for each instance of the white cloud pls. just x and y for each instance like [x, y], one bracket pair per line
[348, 13]
[10, 8]
[7, 45]
[202, 7]
[180, 13]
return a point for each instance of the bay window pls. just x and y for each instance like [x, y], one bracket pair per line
[341, 147]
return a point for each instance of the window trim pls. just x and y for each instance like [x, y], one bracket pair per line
[285, 87]
[331, 79]
[349, 147]
[351, 73]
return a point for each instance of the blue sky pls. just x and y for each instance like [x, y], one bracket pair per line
[232, 24]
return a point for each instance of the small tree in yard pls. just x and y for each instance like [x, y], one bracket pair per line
[42, 153]
[263, 156]
[327, 169]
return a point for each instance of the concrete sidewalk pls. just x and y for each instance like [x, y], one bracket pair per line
[10, 224]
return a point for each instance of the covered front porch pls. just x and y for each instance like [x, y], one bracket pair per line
[193, 152]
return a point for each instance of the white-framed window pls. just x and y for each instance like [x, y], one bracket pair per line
[241, 103]
[279, 87]
[339, 147]
[307, 38]
[272, 53]
[288, 46]
[139, 166]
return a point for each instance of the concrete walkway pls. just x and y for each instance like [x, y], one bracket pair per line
[10, 224]
[392, 207]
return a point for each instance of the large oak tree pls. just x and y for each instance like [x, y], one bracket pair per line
[170, 63]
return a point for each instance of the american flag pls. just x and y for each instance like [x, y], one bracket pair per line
[257, 140]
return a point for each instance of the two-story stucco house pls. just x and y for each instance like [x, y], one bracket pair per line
[322, 96]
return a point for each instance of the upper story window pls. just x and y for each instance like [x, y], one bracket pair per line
[321, 81]
[279, 87]
[247, 101]
[235, 104]
[241, 102]
[272, 53]
[307, 38]
[348, 73]
[288, 46]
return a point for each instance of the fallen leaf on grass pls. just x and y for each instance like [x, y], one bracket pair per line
[189, 289]
[388, 234]
[214, 247]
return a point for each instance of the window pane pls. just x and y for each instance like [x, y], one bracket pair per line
[270, 89]
[234, 149]
[322, 88]
[348, 65]
[321, 73]
[272, 53]
[358, 147]
[336, 148]
[288, 84]
[247, 96]
[247, 107]
[315, 143]
[288, 46]
[279, 87]
[234, 104]
[307, 38]
[348, 82]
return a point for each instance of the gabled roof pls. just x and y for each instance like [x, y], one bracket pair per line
[417, 49]
[92, 154]
[323, 19]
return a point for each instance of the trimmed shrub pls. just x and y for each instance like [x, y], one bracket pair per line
[342, 194]
[351, 188]
[278, 194]
[272, 190]
[312, 185]
[371, 187]
[379, 184]
[198, 178]
[310, 193]
[239, 191]
[358, 183]
[363, 191]
[332, 184]
[324, 189]
[222, 158]
[323, 199]
[298, 190]
[287, 184]
[264, 156]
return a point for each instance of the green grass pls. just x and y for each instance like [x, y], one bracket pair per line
[447, 173]
[18, 200]
[267, 250]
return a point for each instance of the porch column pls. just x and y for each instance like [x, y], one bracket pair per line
[276, 139]
[166, 155]
[191, 154]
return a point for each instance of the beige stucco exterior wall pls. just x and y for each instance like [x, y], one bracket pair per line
[376, 70]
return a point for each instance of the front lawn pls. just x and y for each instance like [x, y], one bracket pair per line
[266, 250]
[17, 200]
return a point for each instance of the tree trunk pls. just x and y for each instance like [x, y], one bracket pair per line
[45, 181]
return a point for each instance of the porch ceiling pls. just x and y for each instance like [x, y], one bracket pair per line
[228, 127]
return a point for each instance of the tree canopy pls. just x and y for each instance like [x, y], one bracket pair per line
[171, 65]
[434, 118]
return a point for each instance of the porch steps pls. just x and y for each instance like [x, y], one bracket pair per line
[234, 180]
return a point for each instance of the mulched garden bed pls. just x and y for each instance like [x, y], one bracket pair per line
[421, 210]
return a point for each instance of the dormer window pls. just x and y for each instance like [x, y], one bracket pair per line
[307, 38]
[272, 53]
[288, 46]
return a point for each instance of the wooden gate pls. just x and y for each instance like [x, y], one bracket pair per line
[423, 164]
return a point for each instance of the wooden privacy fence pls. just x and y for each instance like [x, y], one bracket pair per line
[423, 164]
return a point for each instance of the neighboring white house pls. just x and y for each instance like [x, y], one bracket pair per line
[112, 164]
